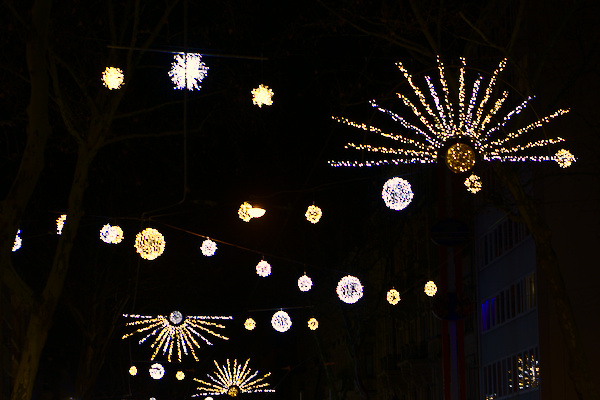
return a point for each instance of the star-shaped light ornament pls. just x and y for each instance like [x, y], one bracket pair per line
[187, 71]
[262, 95]
[473, 183]
[150, 244]
[113, 78]
[232, 379]
[111, 234]
[460, 129]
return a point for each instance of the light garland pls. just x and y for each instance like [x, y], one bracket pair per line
[281, 321]
[180, 375]
[187, 71]
[157, 371]
[232, 379]
[564, 158]
[18, 241]
[397, 193]
[60, 223]
[250, 324]
[473, 183]
[430, 289]
[313, 324]
[133, 370]
[208, 247]
[244, 212]
[313, 214]
[393, 296]
[262, 95]
[175, 334]
[111, 234]
[113, 78]
[304, 283]
[149, 243]
[263, 269]
[349, 289]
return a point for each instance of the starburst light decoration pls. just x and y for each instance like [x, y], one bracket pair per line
[244, 211]
[473, 183]
[180, 375]
[393, 296]
[208, 247]
[18, 241]
[304, 283]
[60, 223]
[250, 324]
[113, 78]
[262, 95]
[133, 370]
[232, 379]
[397, 193]
[430, 289]
[564, 158]
[157, 371]
[463, 128]
[187, 71]
[313, 214]
[111, 234]
[263, 269]
[176, 334]
[281, 321]
[349, 289]
[149, 243]
[313, 324]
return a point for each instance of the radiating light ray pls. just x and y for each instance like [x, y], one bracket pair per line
[176, 333]
[232, 379]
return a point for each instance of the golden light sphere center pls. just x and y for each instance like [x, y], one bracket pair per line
[460, 157]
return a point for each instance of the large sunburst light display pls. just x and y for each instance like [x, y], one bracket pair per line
[175, 334]
[232, 379]
[460, 129]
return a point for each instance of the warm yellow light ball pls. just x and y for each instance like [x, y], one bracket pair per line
[460, 157]
[393, 297]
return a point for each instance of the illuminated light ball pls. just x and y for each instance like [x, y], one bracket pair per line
[244, 212]
[176, 317]
[233, 391]
[263, 269]
[60, 223]
[564, 158]
[460, 157]
[349, 289]
[157, 371]
[313, 324]
[133, 370]
[208, 247]
[430, 289]
[256, 212]
[187, 71]
[281, 321]
[149, 243]
[393, 297]
[473, 183]
[111, 234]
[304, 283]
[250, 324]
[113, 78]
[18, 241]
[179, 375]
[397, 193]
[262, 95]
[313, 214]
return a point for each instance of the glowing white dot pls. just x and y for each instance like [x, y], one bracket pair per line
[188, 71]
[157, 371]
[281, 321]
[397, 193]
[176, 317]
[18, 242]
[208, 247]
[263, 269]
[111, 234]
[349, 289]
[304, 283]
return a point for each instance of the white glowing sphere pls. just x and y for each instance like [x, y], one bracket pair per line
[18, 242]
[397, 193]
[157, 371]
[281, 321]
[349, 289]
[208, 247]
[430, 289]
[313, 214]
[149, 243]
[111, 234]
[176, 317]
[304, 283]
[263, 268]
[187, 71]
[113, 78]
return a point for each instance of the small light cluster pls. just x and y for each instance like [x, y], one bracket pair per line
[111, 234]
[304, 283]
[187, 71]
[60, 223]
[397, 193]
[430, 289]
[313, 214]
[393, 296]
[208, 248]
[281, 321]
[349, 289]
[232, 379]
[473, 183]
[113, 78]
[150, 244]
[313, 324]
[564, 158]
[18, 241]
[250, 324]
[247, 211]
[263, 269]
[262, 95]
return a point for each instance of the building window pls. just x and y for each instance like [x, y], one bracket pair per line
[505, 235]
[510, 303]
[511, 375]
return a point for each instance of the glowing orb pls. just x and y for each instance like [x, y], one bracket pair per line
[175, 317]
[281, 321]
[179, 375]
[256, 212]
[262, 95]
[233, 391]
[349, 289]
[113, 78]
[149, 243]
[393, 296]
[473, 183]
[564, 158]
[304, 283]
[208, 247]
[60, 223]
[111, 234]
[133, 370]
[460, 157]
[187, 71]
[157, 371]
[250, 324]
[243, 212]
[263, 269]
[18, 242]
[430, 289]
[313, 214]
[397, 193]
[313, 324]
